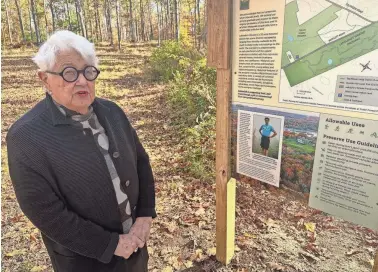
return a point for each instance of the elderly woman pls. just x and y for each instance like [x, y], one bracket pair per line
[79, 171]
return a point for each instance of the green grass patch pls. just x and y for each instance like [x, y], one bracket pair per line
[300, 148]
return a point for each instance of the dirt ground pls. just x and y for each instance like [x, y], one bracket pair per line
[275, 231]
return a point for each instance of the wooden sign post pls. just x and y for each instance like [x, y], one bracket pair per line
[375, 269]
[219, 56]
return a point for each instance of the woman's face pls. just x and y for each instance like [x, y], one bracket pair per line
[77, 95]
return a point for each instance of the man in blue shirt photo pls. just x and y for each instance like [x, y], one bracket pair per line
[266, 131]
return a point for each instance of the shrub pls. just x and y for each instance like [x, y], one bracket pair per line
[191, 97]
[200, 148]
[170, 57]
[192, 92]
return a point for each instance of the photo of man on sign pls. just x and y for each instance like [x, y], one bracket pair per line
[266, 131]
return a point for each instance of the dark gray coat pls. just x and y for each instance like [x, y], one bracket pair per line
[63, 185]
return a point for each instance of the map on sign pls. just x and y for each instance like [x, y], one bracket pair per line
[324, 43]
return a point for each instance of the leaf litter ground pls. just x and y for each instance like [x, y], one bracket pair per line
[274, 230]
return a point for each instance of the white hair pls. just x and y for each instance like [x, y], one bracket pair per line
[64, 40]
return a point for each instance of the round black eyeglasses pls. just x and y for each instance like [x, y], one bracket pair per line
[71, 74]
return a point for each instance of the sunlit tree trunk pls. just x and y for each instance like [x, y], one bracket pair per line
[136, 30]
[89, 19]
[204, 29]
[46, 23]
[199, 23]
[37, 32]
[8, 22]
[80, 17]
[176, 20]
[151, 36]
[52, 15]
[84, 18]
[77, 16]
[158, 22]
[20, 20]
[69, 16]
[30, 21]
[108, 21]
[142, 30]
[98, 21]
[132, 29]
[118, 25]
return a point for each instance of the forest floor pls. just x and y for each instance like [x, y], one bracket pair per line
[274, 230]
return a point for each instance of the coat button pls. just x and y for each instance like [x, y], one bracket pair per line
[127, 182]
[115, 154]
[134, 208]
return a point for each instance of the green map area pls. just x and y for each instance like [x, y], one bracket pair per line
[311, 55]
[343, 50]
[303, 39]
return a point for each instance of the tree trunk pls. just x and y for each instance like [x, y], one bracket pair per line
[46, 23]
[91, 29]
[108, 21]
[2, 37]
[98, 23]
[126, 24]
[142, 20]
[176, 21]
[151, 37]
[167, 25]
[118, 26]
[30, 20]
[37, 34]
[172, 14]
[103, 21]
[20, 20]
[164, 22]
[69, 16]
[132, 29]
[199, 23]
[162, 14]
[77, 16]
[204, 29]
[52, 14]
[80, 14]
[136, 30]
[195, 23]
[95, 18]
[159, 22]
[8, 22]
[168, 21]
[88, 18]
[84, 18]
[38, 22]
[99, 26]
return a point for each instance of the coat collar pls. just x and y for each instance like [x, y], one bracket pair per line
[58, 118]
